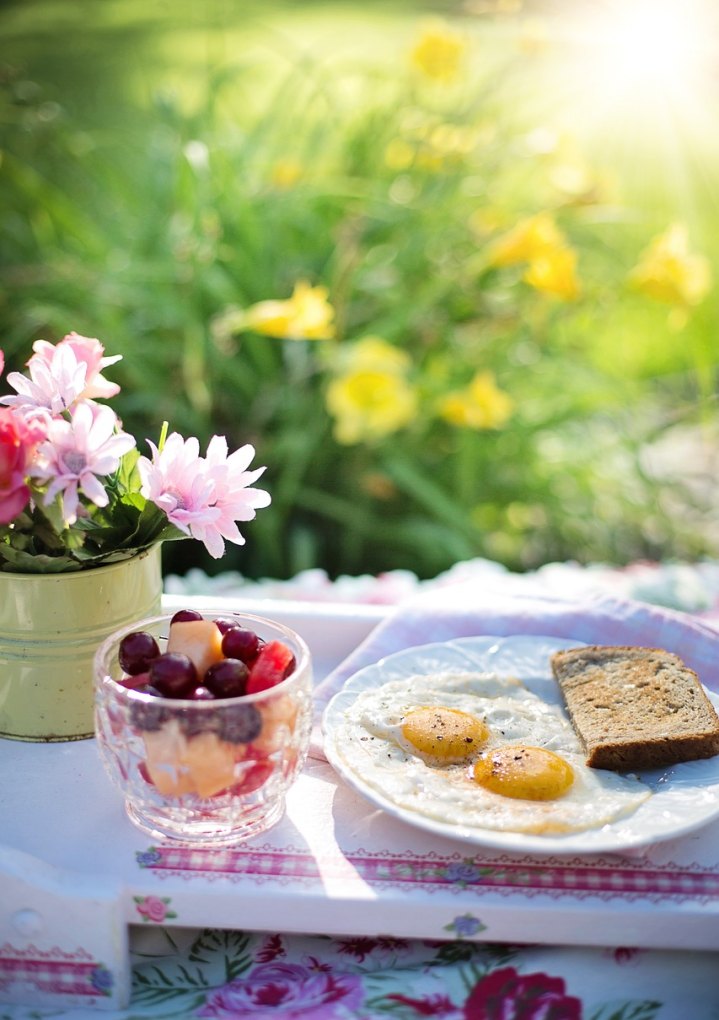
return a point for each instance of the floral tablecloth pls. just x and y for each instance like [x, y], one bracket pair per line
[240, 974]
[183, 973]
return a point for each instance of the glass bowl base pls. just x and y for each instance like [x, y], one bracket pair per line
[203, 832]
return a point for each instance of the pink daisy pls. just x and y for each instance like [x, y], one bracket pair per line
[87, 351]
[61, 375]
[202, 497]
[77, 453]
[56, 381]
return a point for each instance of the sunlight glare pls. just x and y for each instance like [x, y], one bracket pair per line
[654, 44]
[642, 53]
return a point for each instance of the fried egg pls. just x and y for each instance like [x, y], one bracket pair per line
[479, 750]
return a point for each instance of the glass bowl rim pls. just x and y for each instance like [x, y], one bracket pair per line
[103, 679]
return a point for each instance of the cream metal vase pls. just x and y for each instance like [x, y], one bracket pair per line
[50, 628]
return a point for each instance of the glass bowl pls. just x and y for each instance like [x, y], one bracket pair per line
[203, 772]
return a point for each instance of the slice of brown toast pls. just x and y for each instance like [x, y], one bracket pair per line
[634, 707]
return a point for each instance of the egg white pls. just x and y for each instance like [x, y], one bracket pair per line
[371, 744]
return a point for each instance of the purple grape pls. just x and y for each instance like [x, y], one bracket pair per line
[227, 678]
[185, 615]
[202, 694]
[224, 624]
[197, 721]
[173, 674]
[148, 715]
[239, 643]
[240, 724]
[137, 650]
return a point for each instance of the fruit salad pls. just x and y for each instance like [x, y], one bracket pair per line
[202, 711]
[207, 661]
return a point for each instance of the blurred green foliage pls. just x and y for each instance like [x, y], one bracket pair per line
[162, 164]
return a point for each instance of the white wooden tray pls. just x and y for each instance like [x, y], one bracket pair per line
[75, 873]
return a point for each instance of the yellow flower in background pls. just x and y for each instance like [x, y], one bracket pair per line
[554, 272]
[430, 147]
[480, 405]
[371, 397]
[370, 404]
[285, 173]
[538, 241]
[453, 139]
[399, 154]
[372, 352]
[670, 272]
[526, 241]
[438, 52]
[307, 315]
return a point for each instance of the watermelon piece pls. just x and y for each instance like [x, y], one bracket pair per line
[273, 664]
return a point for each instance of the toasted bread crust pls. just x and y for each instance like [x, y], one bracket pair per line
[635, 707]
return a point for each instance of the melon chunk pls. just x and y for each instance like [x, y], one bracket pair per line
[202, 764]
[199, 640]
[165, 752]
[211, 763]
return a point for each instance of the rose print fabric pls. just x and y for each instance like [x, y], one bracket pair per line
[214, 974]
[183, 974]
[222, 975]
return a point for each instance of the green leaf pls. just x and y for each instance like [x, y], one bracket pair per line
[637, 1009]
[231, 946]
[18, 561]
[128, 476]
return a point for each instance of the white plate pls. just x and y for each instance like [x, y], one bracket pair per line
[685, 797]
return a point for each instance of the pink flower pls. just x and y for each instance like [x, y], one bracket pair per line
[625, 954]
[77, 453]
[87, 351]
[271, 949]
[203, 497]
[175, 481]
[54, 384]
[18, 439]
[360, 946]
[61, 375]
[430, 1005]
[234, 499]
[286, 990]
[2, 362]
[152, 908]
[505, 993]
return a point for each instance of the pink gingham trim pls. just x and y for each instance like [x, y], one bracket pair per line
[53, 972]
[605, 879]
[473, 609]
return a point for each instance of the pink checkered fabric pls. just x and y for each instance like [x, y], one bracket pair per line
[52, 977]
[474, 609]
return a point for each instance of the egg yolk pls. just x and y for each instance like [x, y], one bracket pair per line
[525, 773]
[445, 734]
